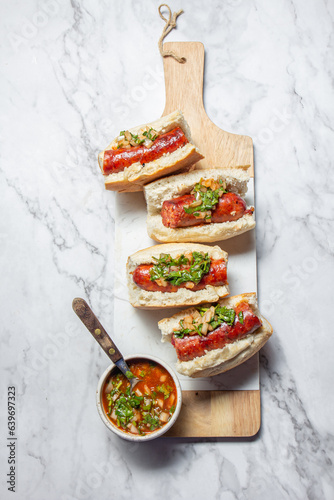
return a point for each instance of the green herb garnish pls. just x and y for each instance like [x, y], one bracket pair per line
[209, 199]
[225, 315]
[222, 315]
[124, 407]
[151, 134]
[118, 385]
[152, 421]
[198, 328]
[166, 390]
[202, 310]
[147, 406]
[241, 317]
[199, 265]
[136, 139]
[182, 332]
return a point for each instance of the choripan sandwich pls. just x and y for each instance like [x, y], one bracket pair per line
[148, 152]
[176, 275]
[202, 205]
[214, 338]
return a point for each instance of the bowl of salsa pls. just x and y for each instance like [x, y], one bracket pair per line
[150, 409]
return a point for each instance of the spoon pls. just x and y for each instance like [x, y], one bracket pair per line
[84, 312]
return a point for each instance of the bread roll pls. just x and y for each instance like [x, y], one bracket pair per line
[231, 355]
[136, 175]
[177, 185]
[155, 300]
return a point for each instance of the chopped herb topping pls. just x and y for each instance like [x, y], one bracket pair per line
[225, 315]
[151, 134]
[221, 315]
[152, 420]
[182, 332]
[166, 390]
[196, 268]
[208, 197]
[124, 407]
[128, 139]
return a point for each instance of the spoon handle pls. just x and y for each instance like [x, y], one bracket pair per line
[84, 312]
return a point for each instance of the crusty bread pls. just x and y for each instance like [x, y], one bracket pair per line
[177, 185]
[183, 297]
[231, 355]
[134, 177]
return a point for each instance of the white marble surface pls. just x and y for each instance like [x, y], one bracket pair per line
[72, 73]
[137, 330]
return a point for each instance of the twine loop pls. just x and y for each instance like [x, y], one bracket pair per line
[170, 24]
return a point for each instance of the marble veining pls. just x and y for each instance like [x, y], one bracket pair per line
[75, 73]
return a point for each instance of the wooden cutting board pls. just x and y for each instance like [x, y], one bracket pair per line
[209, 413]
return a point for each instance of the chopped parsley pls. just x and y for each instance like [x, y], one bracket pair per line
[209, 199]
[225, 315]
[124, 407]
[139, 139]
[166, 390]
[153, 421]
[151, 134]
[182, 332]
[199, 265]
[222, 315]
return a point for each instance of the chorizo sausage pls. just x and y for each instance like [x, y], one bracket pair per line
[230, 207]
[217, 276]
[116, 160]
[192, 346]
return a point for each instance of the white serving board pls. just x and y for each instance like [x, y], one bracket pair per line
[136, 330]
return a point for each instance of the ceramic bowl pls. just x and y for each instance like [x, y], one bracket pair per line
[135, 437]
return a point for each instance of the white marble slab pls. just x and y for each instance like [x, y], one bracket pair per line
[137, 331]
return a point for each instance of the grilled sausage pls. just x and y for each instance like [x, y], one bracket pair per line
[192, 346]
[230, 207]
[217, 276]
[116, 160]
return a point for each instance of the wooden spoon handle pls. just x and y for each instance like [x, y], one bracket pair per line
[84, 312]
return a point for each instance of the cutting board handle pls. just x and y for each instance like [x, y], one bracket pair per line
[184, 82]
[184, 91]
